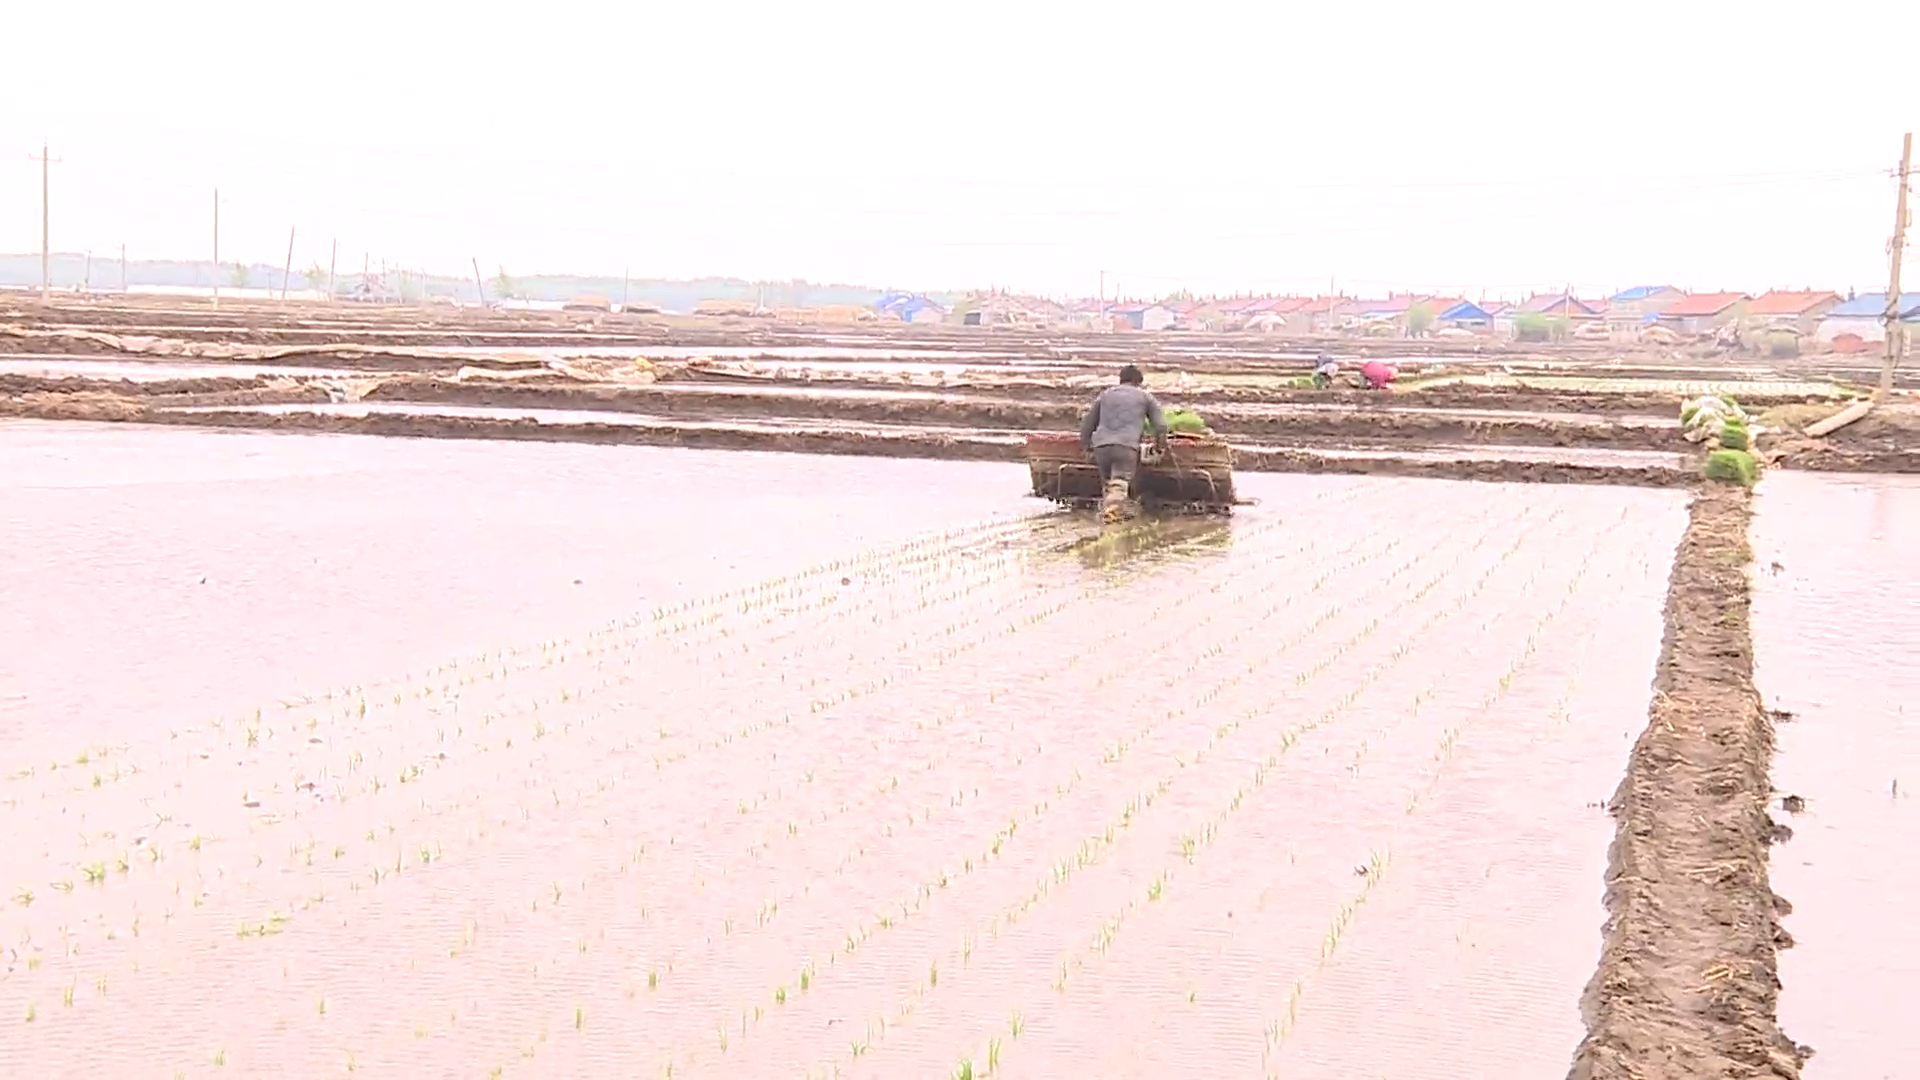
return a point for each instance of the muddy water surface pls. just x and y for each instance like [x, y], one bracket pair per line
[1194, 798]
[1835, 626]
[211, 571]
[1579, 455]
[591, 416]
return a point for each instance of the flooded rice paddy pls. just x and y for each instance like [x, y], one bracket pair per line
[1680, 387]
[1834, 623]
[1574, 455]
[540, 415]
[776, 425]
[412, 758]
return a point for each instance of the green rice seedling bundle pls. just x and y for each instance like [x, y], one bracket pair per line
[1729, 466]
[1181, 421]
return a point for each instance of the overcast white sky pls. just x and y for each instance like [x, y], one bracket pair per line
[1242, 146]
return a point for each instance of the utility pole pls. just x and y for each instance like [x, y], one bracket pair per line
[1896, 253]
[333, 261]
[46, 161]
[86, 279]
[286, 275]
[216, 247]
[123, 268]
[477, 286]
[626, 275]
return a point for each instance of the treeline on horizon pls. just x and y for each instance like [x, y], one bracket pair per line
[67, 271]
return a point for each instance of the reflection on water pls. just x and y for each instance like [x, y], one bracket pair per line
[1833, 626]
[1149, 540]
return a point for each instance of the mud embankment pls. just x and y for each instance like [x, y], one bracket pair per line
[1005, 413]
[252, 316]
[1886, 440]
[858, 443]
[1652, 403]
[961, 446]
[21, 385]
[1688, 985]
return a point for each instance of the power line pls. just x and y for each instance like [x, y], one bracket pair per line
[494, 221]
[759, 199]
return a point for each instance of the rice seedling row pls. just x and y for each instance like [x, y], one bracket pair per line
[888, 563]
[1165, 1005]
[277, 919]
[1058, 795]
[435, 754]
[776, 994]
[308, 854]
[573, 808]
[1076, 850]
[1141, 838]
[449, 680]
[886, 886]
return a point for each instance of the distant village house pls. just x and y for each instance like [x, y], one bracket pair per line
[1701, 313]
[1863, 319]
[1800, 312]
[1143, 316]
[1631, 309]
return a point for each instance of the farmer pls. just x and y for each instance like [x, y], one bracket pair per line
[1324, 370]
[1111, 432]
[1377, 374]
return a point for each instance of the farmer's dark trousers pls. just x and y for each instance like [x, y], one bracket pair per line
[1116, 462]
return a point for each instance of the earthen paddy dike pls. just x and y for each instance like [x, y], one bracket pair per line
[1688, 985]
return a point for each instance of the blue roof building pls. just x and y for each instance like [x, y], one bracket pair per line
[1639, 293]
[1874, 306]
[909, 308]
[1864, 317]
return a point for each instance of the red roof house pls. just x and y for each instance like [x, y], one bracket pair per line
[1797, 310]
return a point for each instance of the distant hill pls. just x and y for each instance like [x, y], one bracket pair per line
[68, 270]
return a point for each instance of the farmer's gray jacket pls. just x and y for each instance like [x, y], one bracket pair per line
[1118, 417]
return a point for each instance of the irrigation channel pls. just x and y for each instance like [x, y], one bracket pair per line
[476, 759]
[1834, 622]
